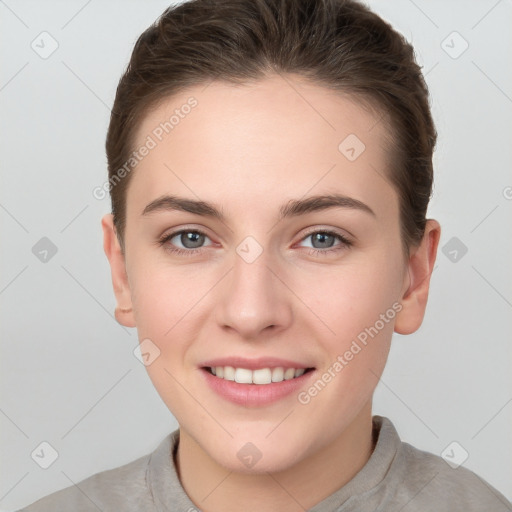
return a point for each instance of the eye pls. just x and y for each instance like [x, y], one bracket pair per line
[191, 241]
[324, 242]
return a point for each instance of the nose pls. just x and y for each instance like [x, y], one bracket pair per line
[255, 302]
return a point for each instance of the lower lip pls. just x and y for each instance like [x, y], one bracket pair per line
[254, 395]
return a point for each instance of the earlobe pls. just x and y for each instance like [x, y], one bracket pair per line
[420, 267]
[124, 309]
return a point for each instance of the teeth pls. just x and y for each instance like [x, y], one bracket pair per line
[260, 376]
[289, 373]
[229, 373]
[243, 376]
[277, 374]
[263, 376]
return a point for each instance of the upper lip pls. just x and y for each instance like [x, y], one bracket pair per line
[254, 364]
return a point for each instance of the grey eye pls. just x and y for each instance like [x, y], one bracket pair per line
[325, 240]
[322, 239]
[189, 239]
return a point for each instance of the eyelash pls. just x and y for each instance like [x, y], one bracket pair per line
[313, 252]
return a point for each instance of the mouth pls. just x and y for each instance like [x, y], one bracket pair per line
[255, 382]
[259, 377]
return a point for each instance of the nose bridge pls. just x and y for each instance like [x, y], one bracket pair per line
[253, 298]
[251, 272]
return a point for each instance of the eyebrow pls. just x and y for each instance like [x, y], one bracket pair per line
[292, 208]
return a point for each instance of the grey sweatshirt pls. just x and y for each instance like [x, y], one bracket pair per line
[397, 477]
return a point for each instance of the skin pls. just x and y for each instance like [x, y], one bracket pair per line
[249, 149]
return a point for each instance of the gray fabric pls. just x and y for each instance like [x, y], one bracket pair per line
[397, 477]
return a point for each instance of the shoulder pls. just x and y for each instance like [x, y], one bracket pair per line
[121, 488]
[430, 483]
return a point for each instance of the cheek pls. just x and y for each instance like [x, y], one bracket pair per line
[354, 298]
[171, 306]
[166, 304]
[359, 308]
[164, 296]
[359, 305]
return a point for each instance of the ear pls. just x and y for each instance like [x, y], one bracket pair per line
[124, 309]
[417, 282]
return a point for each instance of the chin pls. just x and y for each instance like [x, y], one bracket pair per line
[260, 457]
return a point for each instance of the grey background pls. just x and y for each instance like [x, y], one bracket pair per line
[68, 373]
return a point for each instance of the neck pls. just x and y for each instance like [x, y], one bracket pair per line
[214, 488]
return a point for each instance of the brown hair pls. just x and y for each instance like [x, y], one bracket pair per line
[339, 44]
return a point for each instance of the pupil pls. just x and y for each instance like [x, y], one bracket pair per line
[192, 237]
[321, 237]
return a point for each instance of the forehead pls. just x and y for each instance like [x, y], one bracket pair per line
[259, 140]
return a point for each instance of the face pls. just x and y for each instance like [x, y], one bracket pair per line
[243, 269]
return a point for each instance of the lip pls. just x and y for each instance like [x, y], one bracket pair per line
[255, 395]
[254, 364]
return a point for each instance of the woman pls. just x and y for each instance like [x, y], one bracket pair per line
[270, 168]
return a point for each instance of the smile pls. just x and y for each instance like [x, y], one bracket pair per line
[259, 376]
